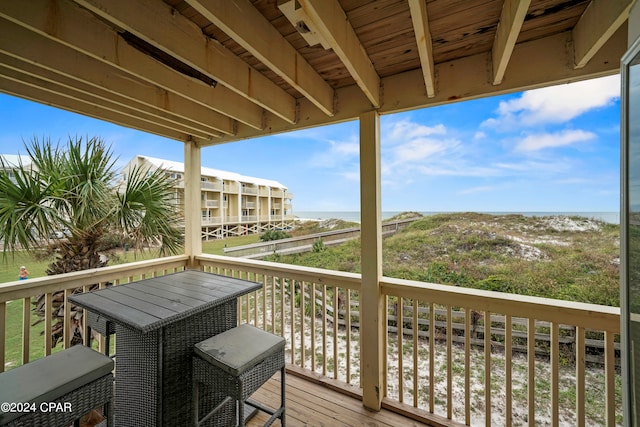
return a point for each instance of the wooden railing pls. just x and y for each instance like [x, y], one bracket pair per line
[535, 371]
[438, 368]
[19, 294]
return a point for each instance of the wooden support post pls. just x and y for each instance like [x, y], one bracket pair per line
[372, 323]
[192, 208]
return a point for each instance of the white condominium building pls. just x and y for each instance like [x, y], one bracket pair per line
[231, 204]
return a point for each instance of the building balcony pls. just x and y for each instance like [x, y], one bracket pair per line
[212, 203]
[231, 187]
[212, 186]
[535, 360]
[213, 220]
[249, 190]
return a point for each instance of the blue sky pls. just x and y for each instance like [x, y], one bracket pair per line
[552, 149]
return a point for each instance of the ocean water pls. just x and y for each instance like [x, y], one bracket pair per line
[354, 216]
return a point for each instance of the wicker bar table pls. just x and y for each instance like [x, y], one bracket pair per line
[158, 321]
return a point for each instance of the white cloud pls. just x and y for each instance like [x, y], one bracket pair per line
[338, 153]
[474, 190]
[422, 148]
[404, 130]
[479, 135]
[556, 104]
[549, 140]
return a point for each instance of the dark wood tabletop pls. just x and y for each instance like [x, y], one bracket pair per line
[150, 304]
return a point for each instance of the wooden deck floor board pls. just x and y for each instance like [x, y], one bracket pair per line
[310, 404]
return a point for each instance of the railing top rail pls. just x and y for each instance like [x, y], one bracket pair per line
[27, 288]
[591, 316]
[307, 274]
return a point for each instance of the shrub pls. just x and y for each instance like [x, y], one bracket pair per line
[274, 235]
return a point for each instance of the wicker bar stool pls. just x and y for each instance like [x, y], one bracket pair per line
[234, 364]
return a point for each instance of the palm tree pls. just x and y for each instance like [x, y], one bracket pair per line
[68, 200]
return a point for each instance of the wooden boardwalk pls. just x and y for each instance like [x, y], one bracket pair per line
[311, 404]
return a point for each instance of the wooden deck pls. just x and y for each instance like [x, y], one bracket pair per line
[312, 404]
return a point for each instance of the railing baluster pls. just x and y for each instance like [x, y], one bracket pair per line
[416, 329]
[302, 324]
[400, 336]
[555, 363]
[313, 327]
[66, 332]
[336, 316]
[256, 312]
[432, 346]
[531, 357]
[385, 343]
[292, 309]
[3, 333]
[580, 378]
[467, 366]
[283, 310]
[508, 325]
[449, 365]
[348, 330]
[273, 304]
[324, 330]
[48, 310]
[26, 330]
[487, 367]
[609, 370]
[265, 280]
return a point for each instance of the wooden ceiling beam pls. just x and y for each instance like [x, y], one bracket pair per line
[420, 21]
[32, 74]
[157, 24]
[330, 21]
[596, 25]
[534, 64]
[511, 20]
[77, 28]
[42, 95]
[91, 76]
[240, 20]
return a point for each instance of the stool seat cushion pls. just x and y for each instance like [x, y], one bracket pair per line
[51, 377]
[239, 349]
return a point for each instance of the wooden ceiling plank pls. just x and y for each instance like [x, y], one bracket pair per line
[240, 20]
[31, 73]
[42, 96]
[157, 24]
[91, 36]
[420, 21]
[511, 20]
[330, 21]
[596, 25]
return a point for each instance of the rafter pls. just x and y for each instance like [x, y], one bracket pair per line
[32, 74]
[463, 79]
[596, 25]
[330, 21]
[40, 94]
[241, 21]
[70, 25]
[174, 34]
[420, 21]
[511, 20]
[94, 77]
